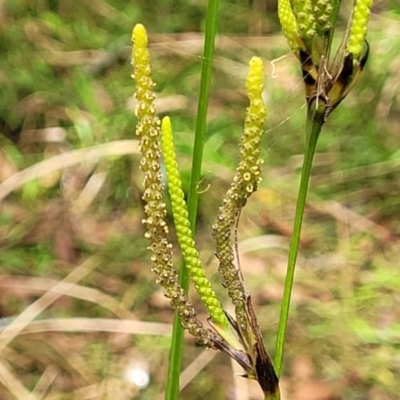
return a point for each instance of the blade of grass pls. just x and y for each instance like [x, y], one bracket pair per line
[65, 160]
[315, 120]
[176, 350]
[129, 326]
[32, 286]
[45, 381]
[11, 382]
[196, 366]
[38, 306]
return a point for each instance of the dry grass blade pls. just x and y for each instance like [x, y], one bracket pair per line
[9, 380]
[90, 191]
[89, 325]
[358, 173]
[34, 285]
[193, 369]
[347, 216]
[31, 312]
[197, 365]
[45, 382]
[240, 385]
[68, 159]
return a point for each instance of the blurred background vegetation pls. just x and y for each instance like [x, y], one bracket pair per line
[92, 323]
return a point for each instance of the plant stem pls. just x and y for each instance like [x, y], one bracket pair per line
[176, 349]
[315, 120]
[335, 13]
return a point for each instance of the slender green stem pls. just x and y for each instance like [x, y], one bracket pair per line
[335, 13]
[176, 350]
[202, 108]
[315, 120]
[269, 396]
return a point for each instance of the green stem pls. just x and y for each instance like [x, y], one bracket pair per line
[335, 13]
[176, 349]
[315, 120]
[270, 396]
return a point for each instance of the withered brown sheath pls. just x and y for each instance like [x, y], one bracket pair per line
[330, 84]
[252, 356]
[266, 375]
[242, 340]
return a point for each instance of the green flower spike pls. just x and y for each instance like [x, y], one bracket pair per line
[306, 24]
[320, 46]
[148, 129]
[244, 184]
[250, 163]
[289, 25]
[358, 28]
[184, 233]
[251, 354]
[323, 12]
